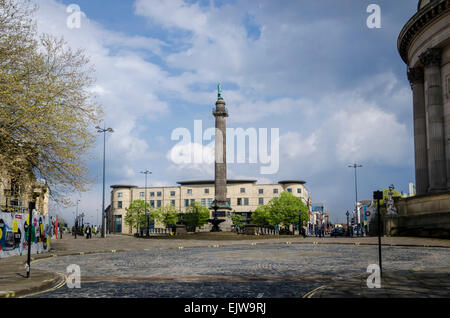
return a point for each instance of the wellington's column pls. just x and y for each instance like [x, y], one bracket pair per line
[431, 59]
[220, 113]
[416, 78]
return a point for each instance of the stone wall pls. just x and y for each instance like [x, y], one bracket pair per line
[426, 216]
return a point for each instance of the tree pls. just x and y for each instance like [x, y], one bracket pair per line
[168, 215]
[285, 209]
[47, 111]
[282, 211]
[197, 215]
[135, 214]
[237, 219]
[262, 216]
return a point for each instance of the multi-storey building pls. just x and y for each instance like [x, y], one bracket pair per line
[244, 196]
[15, 196]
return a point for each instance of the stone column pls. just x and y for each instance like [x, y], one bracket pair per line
[416, 78]
[431, 59]
[221, 114]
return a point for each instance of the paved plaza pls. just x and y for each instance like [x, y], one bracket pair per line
[229, 265]
[264, 270]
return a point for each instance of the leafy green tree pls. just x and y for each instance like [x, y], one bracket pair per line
[135, 215]
[168, 215]
[285, 209]
[47, 112]
[237, 219]
[197, 215]
[282, 211]
[262, 216]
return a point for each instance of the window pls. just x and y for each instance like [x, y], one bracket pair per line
[189, 191]
[261, 191]
[142, 194]
[119, 204]
[158, 194]
[261, 201]
[242, 190]
[299, 190]
[186, 202]
[229, 201]
[158, 203]
[239, 201]
[172, 193]
[206, 191]
[245, 201]
[192, 201]
[209, 201]
[275, 191]
[152, 194]
[120, 195]
[172, 202]
[204, 202]
[290, 190]
[152, 203]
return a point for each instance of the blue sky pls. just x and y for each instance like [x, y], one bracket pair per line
[336, 89]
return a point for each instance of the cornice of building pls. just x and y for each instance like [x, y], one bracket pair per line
[418, 22]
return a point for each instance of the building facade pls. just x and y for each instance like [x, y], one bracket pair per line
[15, 196]
[424, 45]
[244, 196]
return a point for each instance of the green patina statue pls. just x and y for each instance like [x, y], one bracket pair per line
[219, 91]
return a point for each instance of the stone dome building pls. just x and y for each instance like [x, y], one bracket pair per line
[424, 45]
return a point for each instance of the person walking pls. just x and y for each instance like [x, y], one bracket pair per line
[88, 232]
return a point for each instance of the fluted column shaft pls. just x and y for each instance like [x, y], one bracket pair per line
[431, 59]
[416, 78]
[220, 152]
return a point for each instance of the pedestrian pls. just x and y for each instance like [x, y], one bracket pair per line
[88, 232]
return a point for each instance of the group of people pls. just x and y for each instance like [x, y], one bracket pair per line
[89, 231]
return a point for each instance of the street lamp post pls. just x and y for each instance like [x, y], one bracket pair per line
[104, 131]
[147, 221]
[76, 220]
[356, 166]
[348, 229]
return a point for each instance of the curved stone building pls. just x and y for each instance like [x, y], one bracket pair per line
[243, 195]
[424, 45]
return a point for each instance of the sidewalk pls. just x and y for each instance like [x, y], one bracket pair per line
[401, 284]
[13, 281]
[14, 284]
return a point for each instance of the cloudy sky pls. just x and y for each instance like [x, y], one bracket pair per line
[336, 89]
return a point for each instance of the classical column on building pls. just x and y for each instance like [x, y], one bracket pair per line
[431, 59]
[416, 78]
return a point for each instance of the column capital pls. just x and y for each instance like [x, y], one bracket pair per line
[431, 57]
[415, 76]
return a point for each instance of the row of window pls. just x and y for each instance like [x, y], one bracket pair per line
[189, 191]
[188, 202]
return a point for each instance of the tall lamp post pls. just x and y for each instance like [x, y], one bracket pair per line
[147, 223]
[356, 166]
[76, 220]
[348, 229]
[104, 131]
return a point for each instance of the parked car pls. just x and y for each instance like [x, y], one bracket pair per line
[337, 231]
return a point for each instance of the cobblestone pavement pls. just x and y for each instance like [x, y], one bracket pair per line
[244, 271]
